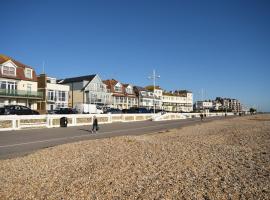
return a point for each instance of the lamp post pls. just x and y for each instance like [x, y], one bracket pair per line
[154, 77]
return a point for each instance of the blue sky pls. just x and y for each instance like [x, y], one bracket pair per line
[220, 46]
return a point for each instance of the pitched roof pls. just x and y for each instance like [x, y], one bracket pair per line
[4, 58]
[110, 85]
[78, 79]
[20, 69]
[139, 88]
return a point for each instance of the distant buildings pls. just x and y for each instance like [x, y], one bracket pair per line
[230, 104]
[204, 105]
[219, 104]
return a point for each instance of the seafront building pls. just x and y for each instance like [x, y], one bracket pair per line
[18, 83]
[177, 101]
[204, 105]
[122, 95]
[55, 96]
[230, 104]
[219, 104]
[148, 98]
[87, 90]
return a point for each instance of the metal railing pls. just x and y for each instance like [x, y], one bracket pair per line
[21, 93]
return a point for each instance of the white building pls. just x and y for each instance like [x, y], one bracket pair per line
[147, 98]
[178, 101]
[122, 95]
[203, 105]
[18, 83]
[55, 95]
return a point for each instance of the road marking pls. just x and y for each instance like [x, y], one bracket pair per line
[87, 135]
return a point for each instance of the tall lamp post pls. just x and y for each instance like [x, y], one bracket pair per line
[154, 77]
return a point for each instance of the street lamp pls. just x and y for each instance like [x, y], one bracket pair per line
[154, 77]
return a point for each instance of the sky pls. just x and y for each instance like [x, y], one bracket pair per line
[220, 47]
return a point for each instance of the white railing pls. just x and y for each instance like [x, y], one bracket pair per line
[174, 116]
[17, 122]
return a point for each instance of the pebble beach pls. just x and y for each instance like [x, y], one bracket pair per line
[224, 159]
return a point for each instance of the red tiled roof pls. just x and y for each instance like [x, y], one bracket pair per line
[20, 69]
[110, 85]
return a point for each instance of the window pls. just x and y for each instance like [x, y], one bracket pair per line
[117, 89]
[29, 88]
[129, 90]
[28, 73]
[3, 85]
[9, 71]
[51, 95]
[62, 95]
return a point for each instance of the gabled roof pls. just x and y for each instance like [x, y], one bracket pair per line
[111, 83]
[19, 71]
[4, 58]
[77, 79]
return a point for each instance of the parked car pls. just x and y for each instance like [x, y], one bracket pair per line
[17, 110]
[137, 110]
[113, 111]
[66, 111]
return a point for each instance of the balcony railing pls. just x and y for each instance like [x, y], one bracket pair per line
[21, 93]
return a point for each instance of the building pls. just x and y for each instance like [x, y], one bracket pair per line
[18, 83]
[122, 95]
[229, 104]
[204, 105]
[178, 101]
[147, 98]
[55, 95]
[87, 90]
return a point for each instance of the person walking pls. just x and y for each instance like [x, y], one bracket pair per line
[201, 115]
[95, 125]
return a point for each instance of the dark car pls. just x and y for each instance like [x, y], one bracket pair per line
[113, 111]
[66, 111]
[17, 110]
[137, 110]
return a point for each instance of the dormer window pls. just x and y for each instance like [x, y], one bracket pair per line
[117, 88]
[9, 71]
[28, 73]
[129, 90]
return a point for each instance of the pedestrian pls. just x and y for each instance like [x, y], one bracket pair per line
[95, 125]
[201, 115]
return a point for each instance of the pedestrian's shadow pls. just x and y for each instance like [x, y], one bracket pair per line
[87, 130]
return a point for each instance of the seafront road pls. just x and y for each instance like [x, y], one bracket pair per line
[23, 142]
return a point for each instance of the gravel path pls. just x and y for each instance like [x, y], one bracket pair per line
[227, 159]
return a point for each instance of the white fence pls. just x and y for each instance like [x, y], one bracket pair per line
[17, 122]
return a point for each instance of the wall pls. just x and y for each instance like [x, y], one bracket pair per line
[22, 85]
[17, 122]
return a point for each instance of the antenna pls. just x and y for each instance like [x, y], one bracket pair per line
[154, 77]
[43, 67]
[202, 94]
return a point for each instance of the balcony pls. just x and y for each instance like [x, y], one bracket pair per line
[21, 94]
